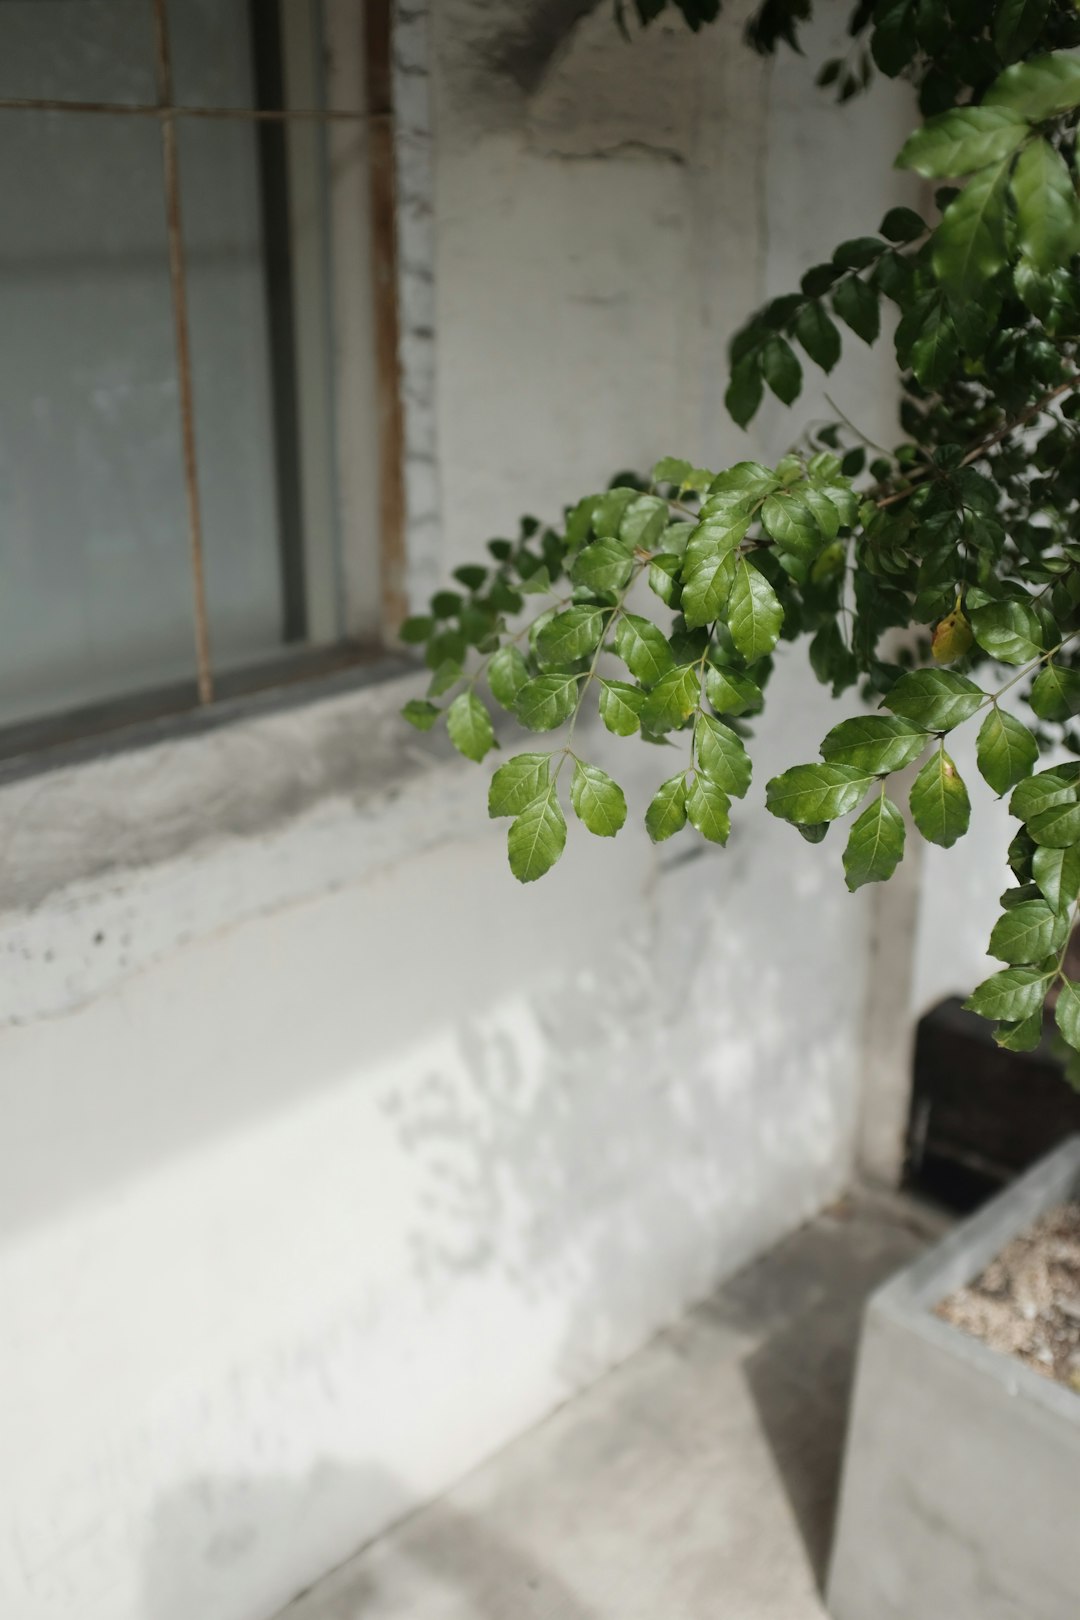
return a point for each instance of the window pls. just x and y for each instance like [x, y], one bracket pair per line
[189, 449]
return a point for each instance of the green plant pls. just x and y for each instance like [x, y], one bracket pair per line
[908, 573]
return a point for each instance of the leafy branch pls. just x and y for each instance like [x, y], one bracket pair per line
[663, 601]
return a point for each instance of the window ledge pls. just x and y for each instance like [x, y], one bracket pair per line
[152, 792]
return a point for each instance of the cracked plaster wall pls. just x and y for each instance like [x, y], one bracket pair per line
[332, 1159]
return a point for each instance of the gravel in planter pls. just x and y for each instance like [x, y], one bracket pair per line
[1027, 1301]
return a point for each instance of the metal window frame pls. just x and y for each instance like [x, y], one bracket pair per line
[377, 114]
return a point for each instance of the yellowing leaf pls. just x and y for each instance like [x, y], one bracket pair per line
[952, 637]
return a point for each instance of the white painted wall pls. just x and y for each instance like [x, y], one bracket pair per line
[331, 1158]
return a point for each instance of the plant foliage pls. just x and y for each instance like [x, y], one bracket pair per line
[660, 603]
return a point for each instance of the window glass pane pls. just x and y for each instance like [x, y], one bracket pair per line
[95, 582]
[77, 50]
[95, 594]
[231, 379]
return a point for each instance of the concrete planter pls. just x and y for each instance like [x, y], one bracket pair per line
[961, 1490]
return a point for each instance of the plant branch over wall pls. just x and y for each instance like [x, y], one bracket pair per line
[965, 534]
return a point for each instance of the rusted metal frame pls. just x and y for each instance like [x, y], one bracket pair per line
[387, 319]
[204, 672]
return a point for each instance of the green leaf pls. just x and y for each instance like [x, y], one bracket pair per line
[876, 743]
[902, 225]
[1019, 854]
[507, 673]
[517, 783]
[724, 521]
[939, 801]
[608, 511]
[1018, 894]
[721, 755]
[1057, 872]
[826, 512]
[1027, 933]
[818, 335]
[605, 565]
[447, 674]
[813, 831]
[421, 715]
[537, 838]
[969, 243]
[1040, 793]
[667, 811]
[782, 370]
[536, 583]
[935, 698]
[811, 793]
[857, 305]
[1056, 827]
[644, 521]
[1023, 1036]
[754, 612]
[1067, 1013]
[670, 470]
[578, 525]
[744, 391]
[664, 570]
[416, 629]
[469, 725]
[1055, 694]
[1039, 89]
[569, 636]
[1006, 751]
[893, 43]
[962, 140]
[708, 808]
[1013, 994]
[673, 699]
[707, 589]
[471, 575]
[642, 648]
[858, 252]
[1047, 214]
[748, 478]
[544, 703]
[730, 691]
[598, 801]
[934, 347]
[1017, 25]
[620, 707]
[875, 844]
[792, 524]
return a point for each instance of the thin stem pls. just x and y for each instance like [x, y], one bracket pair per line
[871, 444]
[591, 671]
[992, 697]
[978, 450]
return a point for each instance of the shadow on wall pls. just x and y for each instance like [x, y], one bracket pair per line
[603, 1148]
[221, 1548]
[526, 47]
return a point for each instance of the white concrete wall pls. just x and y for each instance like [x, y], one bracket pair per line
[331, 1158]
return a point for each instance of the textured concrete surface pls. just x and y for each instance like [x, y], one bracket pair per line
[695, 1482]
[333, 1160]
[962, 1477]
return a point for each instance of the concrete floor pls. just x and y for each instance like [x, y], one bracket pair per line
[695, 1482]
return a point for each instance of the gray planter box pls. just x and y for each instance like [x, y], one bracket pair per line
[961, 1490]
